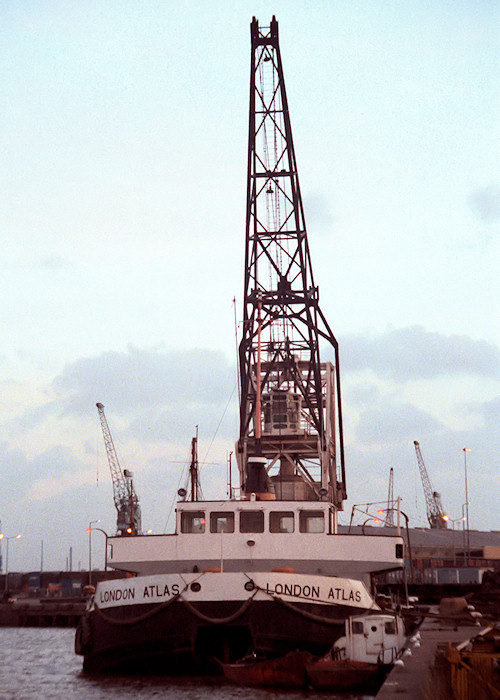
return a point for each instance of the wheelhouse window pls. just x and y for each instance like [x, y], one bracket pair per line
[251, 521]
[390, 627]
[193, 521]
[281, 521]
[221, 522]
[357, 627]
[311, 521]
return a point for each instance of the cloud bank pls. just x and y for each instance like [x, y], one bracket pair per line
[485, 202]
[407, 354]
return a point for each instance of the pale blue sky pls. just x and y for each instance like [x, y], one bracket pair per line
[123, 129]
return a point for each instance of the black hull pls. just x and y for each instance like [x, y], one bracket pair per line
[183, 638]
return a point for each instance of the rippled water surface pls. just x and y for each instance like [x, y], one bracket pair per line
[40, 663]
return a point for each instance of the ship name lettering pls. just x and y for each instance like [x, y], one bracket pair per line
[332, 591]
[156, 591]
[342, 594]
[294, 589]
[118, 594]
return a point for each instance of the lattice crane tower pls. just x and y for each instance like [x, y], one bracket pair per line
[435, 512]
[290, 404]
[126, 500]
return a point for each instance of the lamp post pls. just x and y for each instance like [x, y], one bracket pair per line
[7, 539]
[105, 547]
[464, 534]
[407, 520]
[410, 557]
[89, 530]
[465, 450]
[453, 521]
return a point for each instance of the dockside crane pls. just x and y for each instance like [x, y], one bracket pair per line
[435, 512]
[290, 404]
[128, 520]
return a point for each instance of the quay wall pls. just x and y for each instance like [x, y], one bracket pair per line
[46, 599]
[42, 613]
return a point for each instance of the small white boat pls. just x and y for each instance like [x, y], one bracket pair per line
[361, 659]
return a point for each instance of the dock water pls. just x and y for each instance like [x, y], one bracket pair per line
[424, 675]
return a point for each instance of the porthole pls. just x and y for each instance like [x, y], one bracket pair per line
[249, 586]
[195, 587]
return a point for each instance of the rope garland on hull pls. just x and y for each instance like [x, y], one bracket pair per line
[321, 619]
[140, 618]
[220, 620]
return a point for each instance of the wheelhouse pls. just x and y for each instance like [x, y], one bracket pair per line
[276, 517]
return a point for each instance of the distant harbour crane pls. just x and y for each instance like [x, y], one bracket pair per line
[435, 512]
[126, 500]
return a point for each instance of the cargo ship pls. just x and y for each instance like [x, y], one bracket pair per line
[266, 571]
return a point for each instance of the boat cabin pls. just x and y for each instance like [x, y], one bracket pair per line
[376, 639]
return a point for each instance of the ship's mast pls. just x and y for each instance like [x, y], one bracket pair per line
[290, 411]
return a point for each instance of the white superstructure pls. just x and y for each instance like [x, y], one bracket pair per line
[256, 536]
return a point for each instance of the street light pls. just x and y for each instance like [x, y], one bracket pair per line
[13, 537]
[89, 530]
[106, 545]
[453, 521]
[464, 537]
[407, 521]
[465, 450]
